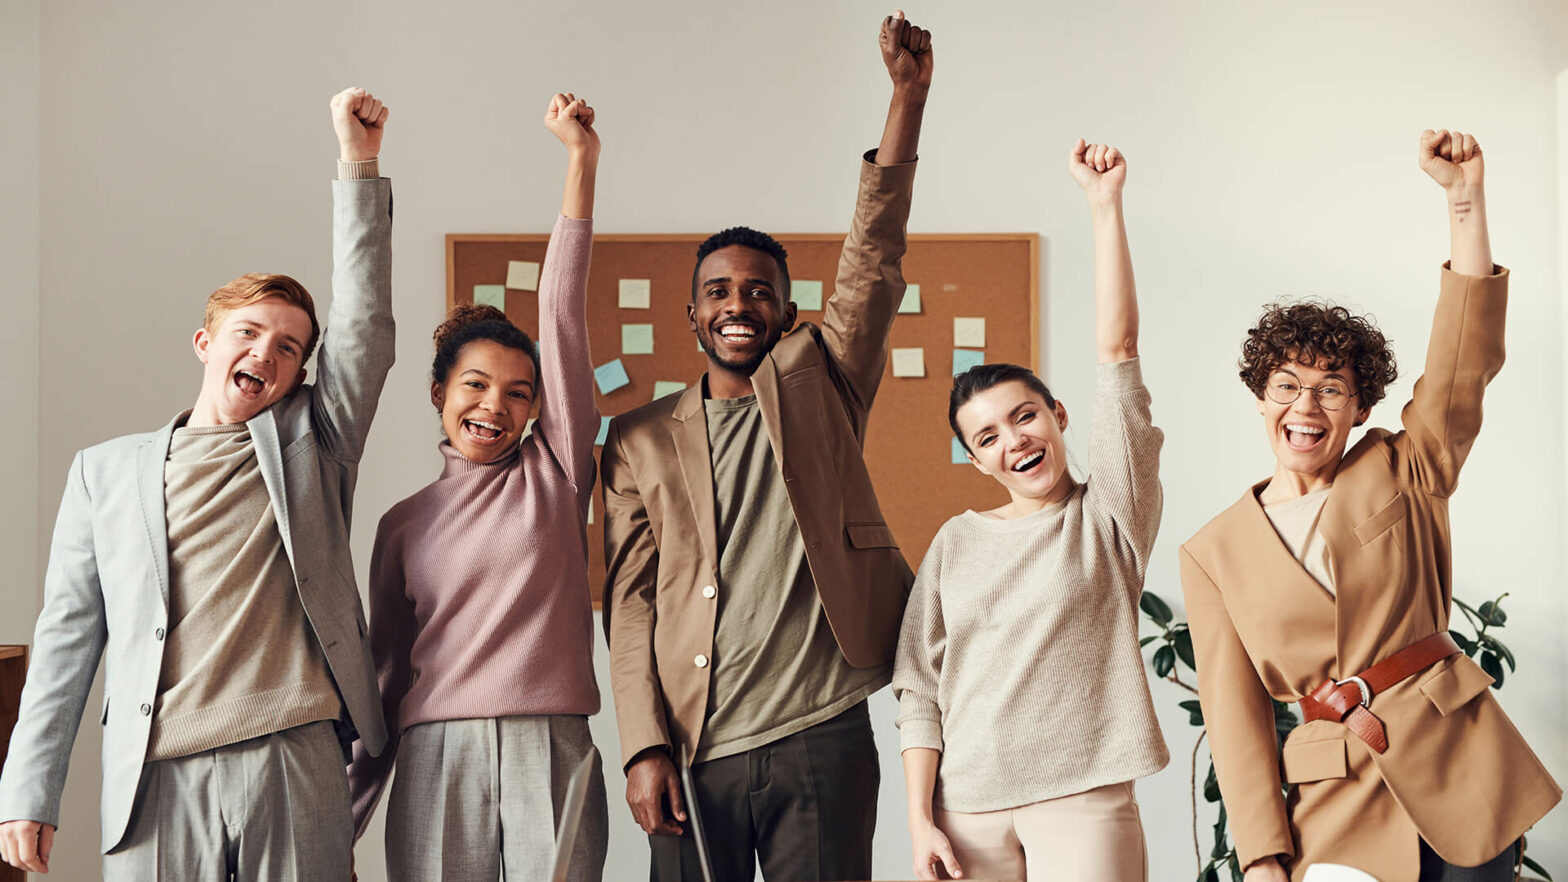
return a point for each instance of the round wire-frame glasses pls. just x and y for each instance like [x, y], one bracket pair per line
[1331, 394]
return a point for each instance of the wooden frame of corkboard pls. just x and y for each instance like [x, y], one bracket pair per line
[908, 443]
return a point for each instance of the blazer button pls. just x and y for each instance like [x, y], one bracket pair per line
[146, 710]
[709, 592]
[158, 634]
[700, 661]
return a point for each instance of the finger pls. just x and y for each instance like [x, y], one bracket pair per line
[587, 116]
[925, 42]
[1429, 141]
[381, 118]
[1112, 156]
[911, 39]
[1096, 157]
[1470, 148]
[27, 854]
[557, 101]
[45, 843]
[373, 111]
[1075, 155]
[1446, 149]
[672, 786]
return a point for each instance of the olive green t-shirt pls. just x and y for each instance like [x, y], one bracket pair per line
[776, 668]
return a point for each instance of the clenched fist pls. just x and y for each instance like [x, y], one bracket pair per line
[1453, 159]
[906, 50]
[570, 119]
[1099, 169]
[359, 120]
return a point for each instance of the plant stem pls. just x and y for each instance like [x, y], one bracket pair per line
[1192, 785]
[1176, 678]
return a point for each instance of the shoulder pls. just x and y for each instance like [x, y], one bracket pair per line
[109, 457]
[1214, 535]
[799, 348]
[641, 419]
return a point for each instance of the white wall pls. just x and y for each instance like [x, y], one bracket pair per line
[1272, 152]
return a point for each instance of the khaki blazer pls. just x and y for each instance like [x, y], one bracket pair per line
[1456, 772]
[815, 391]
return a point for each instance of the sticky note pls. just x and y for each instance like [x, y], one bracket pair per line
[964, 359]
[604, 431]
[610, 376]
[590, 509]
[909, 362]
[635, 293]
[911, 301]
[528, 428]
[636, 339]
[662, 388]
[968, 332]
[490, 295]
[522, 275]
[806, 294]
[960, 455]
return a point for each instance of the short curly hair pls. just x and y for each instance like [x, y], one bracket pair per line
[468, 322]
[1321, 334]
[745, 237]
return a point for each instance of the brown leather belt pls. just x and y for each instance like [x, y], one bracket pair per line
[1345, 701]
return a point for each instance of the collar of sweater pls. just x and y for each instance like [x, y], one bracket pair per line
[458, 464]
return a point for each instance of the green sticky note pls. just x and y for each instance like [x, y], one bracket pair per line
[662, 388]
[636, 339]
[604, 431]
[490, 295]
[911, 301]
[964, 359]
[806, 294]
[960, 455]
[611, 376]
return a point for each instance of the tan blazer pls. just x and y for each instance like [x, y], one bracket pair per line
[815, 391]
[1456, 773]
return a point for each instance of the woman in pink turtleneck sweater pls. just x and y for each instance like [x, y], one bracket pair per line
[481, 622]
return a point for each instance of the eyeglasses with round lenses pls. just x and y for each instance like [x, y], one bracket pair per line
[1330, 394]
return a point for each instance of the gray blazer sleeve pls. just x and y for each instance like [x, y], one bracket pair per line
[68, 643]
[358, 344]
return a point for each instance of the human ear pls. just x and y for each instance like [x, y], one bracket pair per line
[1061, 417]
[790, 311]
[200, 343]
[1361, 416]
[438, 396]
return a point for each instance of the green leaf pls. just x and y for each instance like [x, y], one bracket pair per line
[1155, 608]
[1164, 661]
[1285, 719]
[1492, 666]
[1497, 646]
[1193, 707]
[1537, 868]
[1488, 612]
[1465, 643]
[1211, 792]
[1209, 875]
[1221, 841]
[1235, 868]
[1183, 643]
[1147, 640]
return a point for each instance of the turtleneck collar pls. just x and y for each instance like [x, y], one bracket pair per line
[458, 464]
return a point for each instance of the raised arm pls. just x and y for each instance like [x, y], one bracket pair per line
[357, 345]
[906, 50]
[568, 418]
[1453, 160]
[1101, 171]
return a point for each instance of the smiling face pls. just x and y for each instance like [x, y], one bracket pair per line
[1016, 438]
[486, 399]
[740, 308]
[252, 358]
[1309, 439]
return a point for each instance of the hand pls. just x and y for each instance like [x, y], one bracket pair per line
[906, 50]
[570, 119]
[1266, 870]
[1453, 159]
[651, 779]
[359, 120]
[1099, 169]
[932, 849]
[26, 845]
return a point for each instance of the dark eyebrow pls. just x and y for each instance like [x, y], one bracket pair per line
[767, 283]
[1012, 414]
[528, 383]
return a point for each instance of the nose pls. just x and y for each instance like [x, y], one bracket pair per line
[1306, 402]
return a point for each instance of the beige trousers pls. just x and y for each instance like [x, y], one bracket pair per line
[1094, 836]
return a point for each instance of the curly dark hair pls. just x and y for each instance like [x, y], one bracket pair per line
[745, 237]
[468, 322]
[1323, 335]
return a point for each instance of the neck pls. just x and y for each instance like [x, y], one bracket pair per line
[203, 414]
[725, 383]
[1022, 506]
[1287, 484]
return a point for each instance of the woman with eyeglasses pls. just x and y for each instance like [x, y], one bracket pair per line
[1328, 586]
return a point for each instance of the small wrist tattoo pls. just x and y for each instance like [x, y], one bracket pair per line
[1461, 209]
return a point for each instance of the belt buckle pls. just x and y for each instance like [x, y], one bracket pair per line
[1366, 691]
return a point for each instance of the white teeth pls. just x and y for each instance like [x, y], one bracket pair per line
[1304, 430]
[1028, 462]
[737, 331]
[486, 425]
[251, 375]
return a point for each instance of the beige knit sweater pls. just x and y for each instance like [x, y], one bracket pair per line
[1019, 657]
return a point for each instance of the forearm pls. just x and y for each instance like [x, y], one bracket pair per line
[582, 169]
[1115, 296]
[901, 135]
[1470, 248]
[920, 765]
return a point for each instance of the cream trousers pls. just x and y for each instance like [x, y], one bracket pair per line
[1094, 836]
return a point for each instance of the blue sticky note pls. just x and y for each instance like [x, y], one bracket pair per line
[490, 295]
[960, 455]
[604, 431]
[964, 359]
[611, 376]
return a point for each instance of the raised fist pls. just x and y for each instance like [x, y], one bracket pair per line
[570, 119]
[1099, 169]
[1453, 159]
[359, 120]
[906, 50]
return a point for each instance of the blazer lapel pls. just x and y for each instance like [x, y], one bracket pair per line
[765, 382]
[269, 458]
[150, 459]
[689, 432]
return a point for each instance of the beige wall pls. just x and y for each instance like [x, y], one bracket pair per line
[1272, 152]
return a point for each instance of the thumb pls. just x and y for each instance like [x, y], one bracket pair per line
[672, 785]
[950, 863]
[45, 843]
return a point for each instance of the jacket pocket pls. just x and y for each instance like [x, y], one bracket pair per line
[299, 445]
[1381, 521]
[1313, 760]
[804, 375]
[1455, 686]
[870, 535]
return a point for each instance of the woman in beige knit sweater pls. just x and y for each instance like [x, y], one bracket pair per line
[1024, 712]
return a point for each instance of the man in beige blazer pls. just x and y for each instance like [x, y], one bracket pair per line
[754, 591]
[1329, 585]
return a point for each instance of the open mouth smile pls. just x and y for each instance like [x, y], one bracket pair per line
[1029, 462]
[738, 333]
[482, 431]
[1304, 437]
[249, 384]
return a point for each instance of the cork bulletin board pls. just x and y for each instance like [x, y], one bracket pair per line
[909, 449]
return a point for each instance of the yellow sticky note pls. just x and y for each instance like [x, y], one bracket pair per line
[911, 301]
[522, 275]
[636, 293]
[909, 362]
[969, 332]
[806, 294]
[636, 339]
[662, 388]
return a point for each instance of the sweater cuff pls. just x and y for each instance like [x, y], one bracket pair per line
[919, 733]
[1119, 376]
[365, 170]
